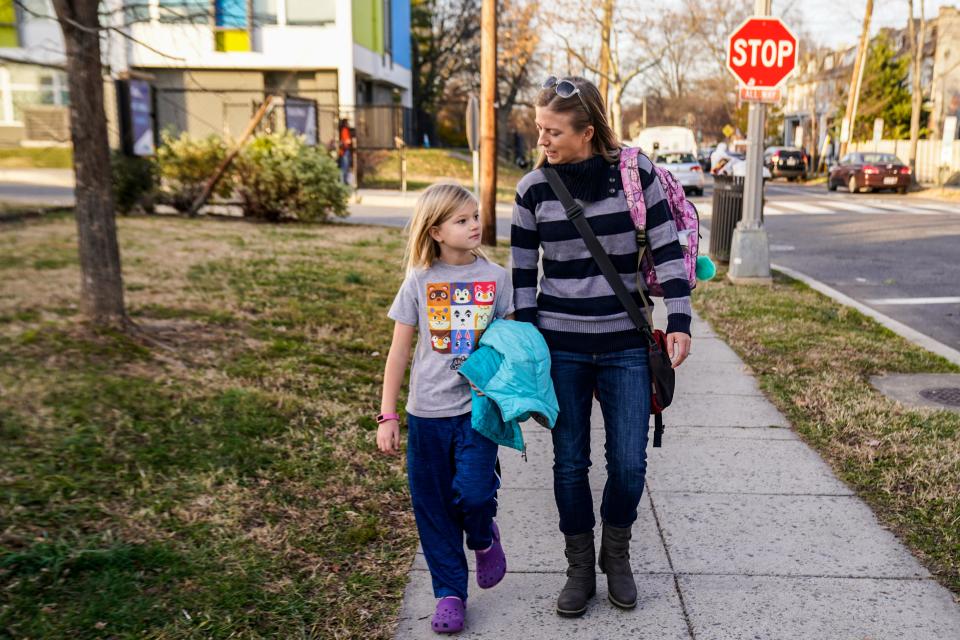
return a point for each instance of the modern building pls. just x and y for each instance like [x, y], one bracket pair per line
[212, 62]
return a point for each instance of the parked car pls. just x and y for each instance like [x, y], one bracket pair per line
[685, 168]
[864, 171]
[785, 162]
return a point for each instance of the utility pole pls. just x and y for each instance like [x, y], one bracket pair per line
[488, 122]
[916, 102]
[750, 249]
[850, 115]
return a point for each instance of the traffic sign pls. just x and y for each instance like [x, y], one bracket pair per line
[762, 52]
[760, 94]
[727, 131]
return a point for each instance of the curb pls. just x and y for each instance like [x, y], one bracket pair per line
[912, 335]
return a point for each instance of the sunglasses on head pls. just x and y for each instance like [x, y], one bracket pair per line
[564, 89]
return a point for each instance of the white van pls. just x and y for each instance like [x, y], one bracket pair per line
[676, 139]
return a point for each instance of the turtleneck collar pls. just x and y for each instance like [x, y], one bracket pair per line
[588, 180]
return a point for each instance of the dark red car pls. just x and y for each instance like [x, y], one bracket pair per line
[867, 171]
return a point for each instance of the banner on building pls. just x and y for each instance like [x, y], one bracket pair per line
[137, 122]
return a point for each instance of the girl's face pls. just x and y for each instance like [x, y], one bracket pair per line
[461, 231]
[560, 142]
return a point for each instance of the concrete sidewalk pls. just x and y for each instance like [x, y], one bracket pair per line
[744, 532]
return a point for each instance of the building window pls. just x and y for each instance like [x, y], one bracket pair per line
[311, 11]
[264, 12]
[137, 10]
[189, 11]
[388, 27]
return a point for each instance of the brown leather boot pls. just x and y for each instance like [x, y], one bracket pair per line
[581, 575]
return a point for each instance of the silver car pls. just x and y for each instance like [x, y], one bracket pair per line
[684, 167]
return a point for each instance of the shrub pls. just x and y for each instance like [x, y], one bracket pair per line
[133, 182]
[277, 175]
[184, 165]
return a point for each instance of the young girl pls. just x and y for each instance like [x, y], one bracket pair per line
[450, 295]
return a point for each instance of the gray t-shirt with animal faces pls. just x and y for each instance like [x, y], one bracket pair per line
[451, 305]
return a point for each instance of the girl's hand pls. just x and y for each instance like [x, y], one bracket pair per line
[388, 437]
[678, 344]
[474, 387]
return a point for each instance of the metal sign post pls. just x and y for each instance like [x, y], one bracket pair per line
[761, 53]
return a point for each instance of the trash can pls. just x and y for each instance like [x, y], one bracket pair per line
[727, 212]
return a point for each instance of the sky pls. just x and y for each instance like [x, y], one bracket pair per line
[835, 24]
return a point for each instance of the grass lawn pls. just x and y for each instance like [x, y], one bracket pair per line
[215, 477]
[36, 158]
[814, 358]
[426, 166]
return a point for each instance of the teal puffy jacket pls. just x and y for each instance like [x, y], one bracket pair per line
[511, 366]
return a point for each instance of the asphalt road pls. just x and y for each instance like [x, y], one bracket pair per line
[897, 254]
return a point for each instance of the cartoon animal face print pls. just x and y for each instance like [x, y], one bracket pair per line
[484, 292]
[441, 343]
[462, 293]
[438, 294]
[462, 342]
[439, 317]
[482, 317]
[463, 317]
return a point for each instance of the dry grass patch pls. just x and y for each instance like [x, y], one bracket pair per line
[814, 359]
[215, 475]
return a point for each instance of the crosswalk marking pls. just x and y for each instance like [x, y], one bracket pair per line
[904, 301]
[828, 207]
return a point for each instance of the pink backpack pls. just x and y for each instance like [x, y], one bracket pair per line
[684, 214]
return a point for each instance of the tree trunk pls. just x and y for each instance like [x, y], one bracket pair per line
[916, 103]
[606, 33]
[616, 110]
[101, 285]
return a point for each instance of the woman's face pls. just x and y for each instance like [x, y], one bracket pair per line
[560, 142]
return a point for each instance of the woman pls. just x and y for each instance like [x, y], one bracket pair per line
[594, 346]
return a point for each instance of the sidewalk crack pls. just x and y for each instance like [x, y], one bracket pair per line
[666, 550]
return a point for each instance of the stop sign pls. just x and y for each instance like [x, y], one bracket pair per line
[762, 52]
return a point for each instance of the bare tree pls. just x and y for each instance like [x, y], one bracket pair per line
[101, 288]
[916, 69]
[446, 44]
[517, 40]
[613, 56]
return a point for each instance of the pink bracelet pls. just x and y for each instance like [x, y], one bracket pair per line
[383, 417]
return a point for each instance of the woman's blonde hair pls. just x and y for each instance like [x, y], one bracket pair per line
[589, 111]
[436, 205]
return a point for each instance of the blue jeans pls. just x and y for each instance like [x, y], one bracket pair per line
[453, 486]
[623, 382]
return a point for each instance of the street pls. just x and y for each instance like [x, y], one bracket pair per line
[896, 254]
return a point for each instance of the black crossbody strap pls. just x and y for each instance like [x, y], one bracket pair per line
[574, 211]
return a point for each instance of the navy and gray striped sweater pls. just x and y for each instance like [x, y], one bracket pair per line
[576, 309]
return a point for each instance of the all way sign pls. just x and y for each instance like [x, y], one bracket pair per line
[761, 53]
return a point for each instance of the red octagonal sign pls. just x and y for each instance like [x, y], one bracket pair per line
[762, 52]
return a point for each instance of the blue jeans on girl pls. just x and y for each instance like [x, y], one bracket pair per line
[623, 382]
[453, 486]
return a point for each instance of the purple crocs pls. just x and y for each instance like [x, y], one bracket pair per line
[492, 563]
[449, 615]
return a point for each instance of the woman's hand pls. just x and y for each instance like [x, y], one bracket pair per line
[388, 436]
[678, 344]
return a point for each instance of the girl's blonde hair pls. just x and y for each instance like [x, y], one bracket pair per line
[436, 205]
[589, 111]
